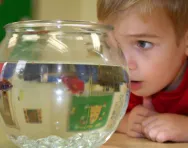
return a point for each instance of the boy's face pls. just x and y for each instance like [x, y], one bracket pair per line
[151, 50]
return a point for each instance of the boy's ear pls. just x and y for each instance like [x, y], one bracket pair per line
[186, 42]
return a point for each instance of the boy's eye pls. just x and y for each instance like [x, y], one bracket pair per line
[144, 44]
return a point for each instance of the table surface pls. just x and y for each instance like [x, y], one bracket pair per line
[116, 141]
[123, 141]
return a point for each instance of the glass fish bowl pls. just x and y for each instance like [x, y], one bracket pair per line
[63, 84]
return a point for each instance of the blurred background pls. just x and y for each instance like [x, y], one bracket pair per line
[16, 10]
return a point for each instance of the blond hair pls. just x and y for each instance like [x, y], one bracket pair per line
[176, 10]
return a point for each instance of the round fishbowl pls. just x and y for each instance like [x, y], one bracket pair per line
[63, 84]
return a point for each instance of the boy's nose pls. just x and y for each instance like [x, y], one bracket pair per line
[130, 59]
[131, 65]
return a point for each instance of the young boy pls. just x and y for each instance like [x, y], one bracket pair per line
[153, 36]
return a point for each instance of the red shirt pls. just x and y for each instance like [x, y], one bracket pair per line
[175, 101]
[1, 66]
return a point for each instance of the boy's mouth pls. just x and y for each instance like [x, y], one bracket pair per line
[136, 85]
[135, 81]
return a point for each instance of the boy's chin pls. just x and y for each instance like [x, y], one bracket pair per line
[141, 93]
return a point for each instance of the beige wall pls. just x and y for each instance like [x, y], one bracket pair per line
[88, 10]
[65, 9]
